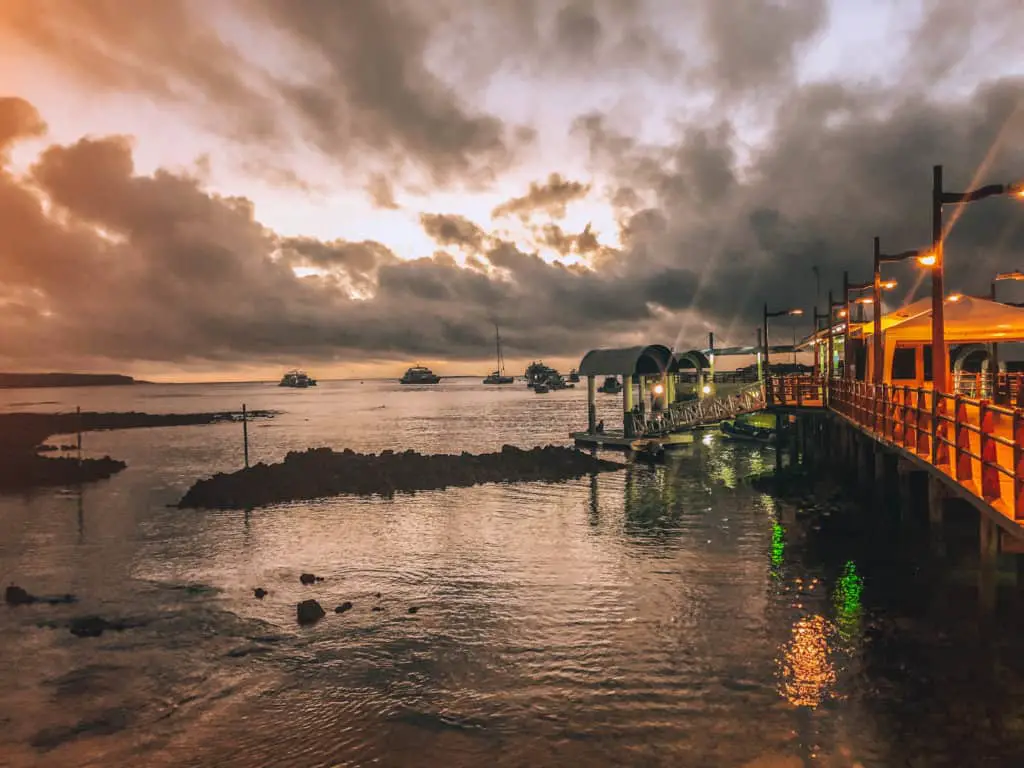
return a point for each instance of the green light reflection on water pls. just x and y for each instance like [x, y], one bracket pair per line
[847, 602]
[778, 544]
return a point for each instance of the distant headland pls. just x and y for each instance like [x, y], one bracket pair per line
[39, 380]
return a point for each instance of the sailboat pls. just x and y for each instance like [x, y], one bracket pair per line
[498, 376]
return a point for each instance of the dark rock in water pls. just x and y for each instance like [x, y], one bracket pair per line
[346, 606]
[260, 592]
[319, 472]
[15, 595]
[376, 608]
[94, 626]
[309, 578]
[414, 609]
[309, 612]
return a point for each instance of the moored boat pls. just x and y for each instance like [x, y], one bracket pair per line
[498, 376]
[610, 386]
[748, 429]
[297, 379]
[419, 374]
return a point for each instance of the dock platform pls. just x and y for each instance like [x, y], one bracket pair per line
[616, 441]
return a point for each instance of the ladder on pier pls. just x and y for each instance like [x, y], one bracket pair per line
[712, 410]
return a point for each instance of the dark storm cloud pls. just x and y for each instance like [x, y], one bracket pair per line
[753, 43]
[366, 85]
[966, 36]
[550, 197]
[451, 229]
[180, 276]
[841, 166]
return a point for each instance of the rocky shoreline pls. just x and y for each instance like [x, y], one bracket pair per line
[23, 436]
[321, 472]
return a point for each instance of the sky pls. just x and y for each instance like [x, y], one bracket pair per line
[230, 188]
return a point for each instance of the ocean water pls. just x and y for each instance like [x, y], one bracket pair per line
[652, 616]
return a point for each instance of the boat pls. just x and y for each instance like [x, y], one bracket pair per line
[648, 451]
[574, 376]
[498, 376]
[535, 373]
[297, 379]
[419, 374]
[611, 385]
[541, 388]
[755, 428]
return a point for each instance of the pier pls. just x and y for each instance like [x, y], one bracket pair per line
[878, 417]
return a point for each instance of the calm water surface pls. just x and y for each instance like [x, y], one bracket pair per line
[653, 616]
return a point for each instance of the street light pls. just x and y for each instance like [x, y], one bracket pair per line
[764, 327]
[1015, 275]
[876, 342]
[845, 312]
[940, 366]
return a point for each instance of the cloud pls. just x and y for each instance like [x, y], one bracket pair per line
[550, 197]
[381, 193]
[724, 199]
[553, 236]
[451, 229]
[753, 43]
[358, 88]
[18, 120]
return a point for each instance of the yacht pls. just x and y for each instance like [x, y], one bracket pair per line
[611, 385]
[498, 376]
[419, 374]
[574, 376]
[297, 379]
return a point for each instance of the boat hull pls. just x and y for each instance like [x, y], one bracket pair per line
[499, 380]
[431, 380]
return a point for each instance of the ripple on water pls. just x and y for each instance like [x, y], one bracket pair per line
[644, 617]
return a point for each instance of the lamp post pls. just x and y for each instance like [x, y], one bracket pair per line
[878, 285]
[940, 366]
[817, 357]
[847, 313]
[764, 327]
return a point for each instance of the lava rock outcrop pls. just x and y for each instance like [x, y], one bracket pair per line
[320, 472]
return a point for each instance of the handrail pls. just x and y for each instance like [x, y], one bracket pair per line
[710, 409]
[976, 443]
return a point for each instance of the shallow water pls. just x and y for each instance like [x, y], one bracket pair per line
[652, 616]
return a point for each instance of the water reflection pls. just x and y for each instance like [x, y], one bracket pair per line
[847, 602]
[807, 673]
[664, 615]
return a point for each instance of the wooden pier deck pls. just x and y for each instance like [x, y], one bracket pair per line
[973, 448]
[615, 440]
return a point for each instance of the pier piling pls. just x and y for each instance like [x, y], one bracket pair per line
[245, 435]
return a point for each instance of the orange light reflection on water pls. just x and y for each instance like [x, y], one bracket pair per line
[807, 673]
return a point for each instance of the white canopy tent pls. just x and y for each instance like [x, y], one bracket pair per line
[966, 320]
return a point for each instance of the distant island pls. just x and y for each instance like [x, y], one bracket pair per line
[39, 380]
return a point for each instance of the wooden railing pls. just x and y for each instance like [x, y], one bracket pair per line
[977, 444]
[800, 391]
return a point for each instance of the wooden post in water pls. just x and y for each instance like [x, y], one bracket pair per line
[245, 435]
[779, 437]
[627, 405]
[78, 423]
[591, 405]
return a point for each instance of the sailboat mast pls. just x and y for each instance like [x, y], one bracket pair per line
[497, 350]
